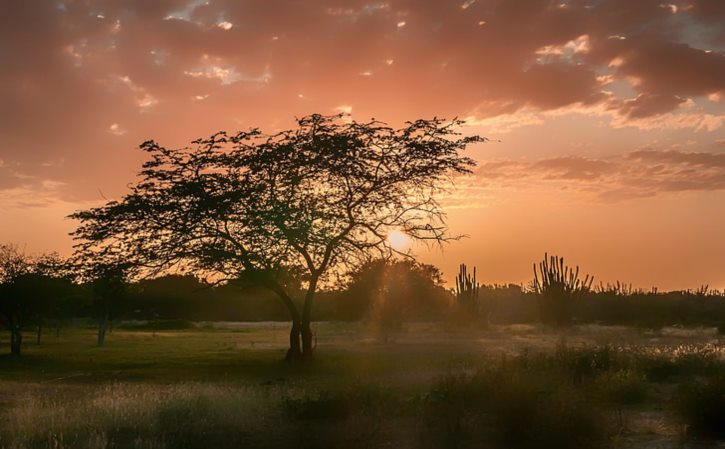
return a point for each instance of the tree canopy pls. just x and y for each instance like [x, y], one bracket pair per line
[310, 203]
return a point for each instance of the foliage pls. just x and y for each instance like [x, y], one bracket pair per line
[315, 201]
[192, 388]
[701, 406]
[32, 289]
[506, 406]
[387, 293]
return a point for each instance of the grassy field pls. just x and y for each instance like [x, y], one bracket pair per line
[225, 386]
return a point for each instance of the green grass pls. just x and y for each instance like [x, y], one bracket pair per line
[226, 386]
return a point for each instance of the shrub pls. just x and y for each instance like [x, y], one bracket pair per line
[701, 406]
[508, 408]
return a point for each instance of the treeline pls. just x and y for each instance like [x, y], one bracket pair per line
[509, 304]
[39, 294]
[560, 296]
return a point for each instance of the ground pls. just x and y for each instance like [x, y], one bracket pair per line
[430, 385]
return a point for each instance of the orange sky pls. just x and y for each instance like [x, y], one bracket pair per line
[607, 115]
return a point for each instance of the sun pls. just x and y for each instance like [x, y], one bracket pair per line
[398, 240]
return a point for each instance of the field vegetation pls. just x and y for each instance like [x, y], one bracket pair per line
[225, 385]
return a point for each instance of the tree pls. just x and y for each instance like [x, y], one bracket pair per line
[109, 288]
[48, 290]
[14, 264]
[391, 292]
[30, 288]
[316, 201]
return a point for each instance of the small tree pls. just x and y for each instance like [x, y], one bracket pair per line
[558, 286]
[109, 288]
[49, 289]
[30, 287]
[14, 264]
[318, 200]
[392, 292]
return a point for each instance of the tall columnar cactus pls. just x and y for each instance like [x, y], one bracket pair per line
[558, 286]
[467, 289]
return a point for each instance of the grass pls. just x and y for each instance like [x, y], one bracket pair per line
[225, 386]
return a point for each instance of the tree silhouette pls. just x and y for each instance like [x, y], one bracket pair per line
[390, 292]
[14, 264]
[109, 288]
[315, 201]
[30, 289]
[49, 290]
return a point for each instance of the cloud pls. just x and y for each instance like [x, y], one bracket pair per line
[703, 160]
[574, 168]
[636, 174]
[176, 70]
[646, 105]
[116, 129]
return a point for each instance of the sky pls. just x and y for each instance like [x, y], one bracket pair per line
[606, 117]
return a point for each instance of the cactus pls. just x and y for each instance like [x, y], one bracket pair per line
[618, 289]
[467, 295]
[558, 286]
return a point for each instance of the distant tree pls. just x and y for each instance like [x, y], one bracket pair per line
[30, 288]
[109, 289]
[317, 201]
[50, 291]
[14, 264]
[391, 292]
[171, 296]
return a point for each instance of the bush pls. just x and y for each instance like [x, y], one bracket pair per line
[337, 404]
[508, 408]
[683, 361]
[622, 388]
[701, 406]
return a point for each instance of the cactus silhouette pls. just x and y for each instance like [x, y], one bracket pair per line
[558, 286]
[467, 295]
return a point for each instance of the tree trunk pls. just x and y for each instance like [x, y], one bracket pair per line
[40, 333]
[306, 331]
[16, 340]
[294, 352]
[102, 329]
[307, 346]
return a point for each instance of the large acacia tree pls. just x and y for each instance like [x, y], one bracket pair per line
[307, 204]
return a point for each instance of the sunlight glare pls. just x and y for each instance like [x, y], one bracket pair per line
[398, 240]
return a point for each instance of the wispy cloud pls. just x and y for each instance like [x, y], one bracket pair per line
[636, 174]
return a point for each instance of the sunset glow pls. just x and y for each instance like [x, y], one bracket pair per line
[399, 241]
[606, 118]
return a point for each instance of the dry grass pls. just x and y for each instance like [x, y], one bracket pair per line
[226, 387]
